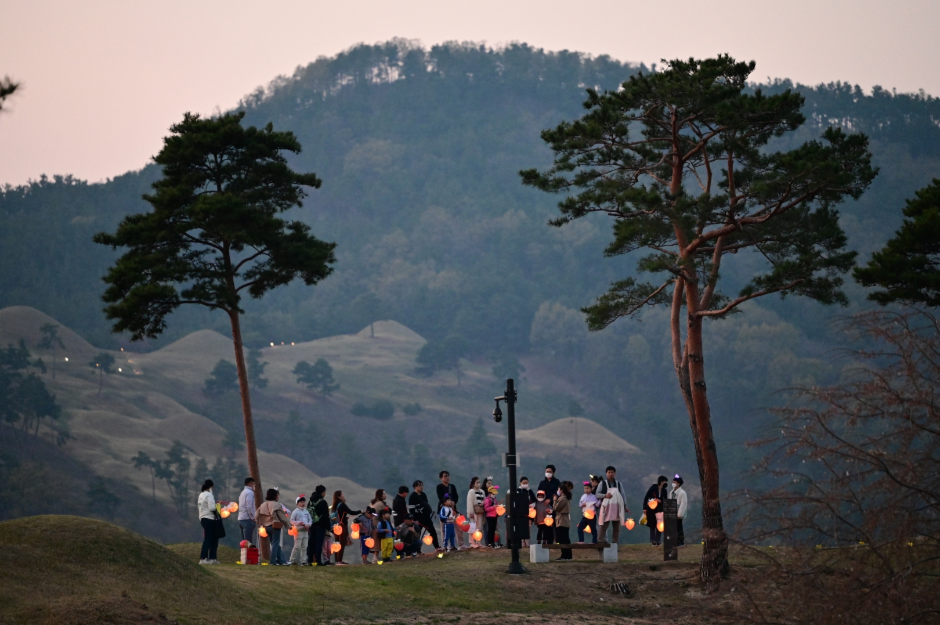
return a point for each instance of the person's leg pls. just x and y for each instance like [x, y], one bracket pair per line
[550, 535]
[561, 536]
[581, 525]
[681, 533]
[458, 534]
[207, 531]
[274, 540]
[593, 525]
[616, 537]
[214, 546]
[295, 552]
[490, 531]
[433, 533]
[602, 535]
[341, 539]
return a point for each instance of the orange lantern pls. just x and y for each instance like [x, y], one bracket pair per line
[588, 514]
[661, 526]
[652, 504]
[465, 527]
[587, 530]
[337, 529]
[532, 513]
[399, 546]
[355, 527]
[225, 513]
[262, 532]
[336, 547]
[500, 510]
[233, 507]
[370, 543]
[428, 540]
[630, 524]
[478, 535]
[354, 535]
[549, 521]
[461, 520]
[292, 531]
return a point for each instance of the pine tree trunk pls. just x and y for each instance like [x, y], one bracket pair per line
[250, 445]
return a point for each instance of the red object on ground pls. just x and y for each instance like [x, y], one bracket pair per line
[252, 555]
[243, 544]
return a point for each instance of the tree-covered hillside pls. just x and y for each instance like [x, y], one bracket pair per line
[419, 151]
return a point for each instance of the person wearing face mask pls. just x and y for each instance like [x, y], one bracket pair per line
[524, 485]
[550, 483]
[543, 510]
[613, 510]
[682, 503]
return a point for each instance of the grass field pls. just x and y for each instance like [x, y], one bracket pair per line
[63, 569]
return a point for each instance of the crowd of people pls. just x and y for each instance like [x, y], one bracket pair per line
[322, 529]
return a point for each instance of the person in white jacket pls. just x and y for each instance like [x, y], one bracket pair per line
[682, 503]
[210, 540]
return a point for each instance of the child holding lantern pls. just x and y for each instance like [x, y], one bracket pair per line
[543, 519]
[588, 505]
[386, 534]
[447, 516]
[300, 521]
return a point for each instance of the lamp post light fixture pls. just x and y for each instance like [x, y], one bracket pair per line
[518, 507]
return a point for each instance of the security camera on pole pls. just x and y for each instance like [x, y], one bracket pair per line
[518, 499]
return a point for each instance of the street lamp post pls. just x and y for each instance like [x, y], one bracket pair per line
[509, 396]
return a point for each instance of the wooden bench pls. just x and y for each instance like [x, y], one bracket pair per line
[540, 553]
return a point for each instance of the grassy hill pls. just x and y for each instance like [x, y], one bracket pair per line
[61, 569]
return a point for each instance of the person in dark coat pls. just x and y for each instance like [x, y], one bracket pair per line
[319, 510]
[446, 490]
[551, 483]
[421, 511]
[400, 506]
[657, 492]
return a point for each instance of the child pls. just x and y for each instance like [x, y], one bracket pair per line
[301, 521]
[386, 534]
[489, 508]
[365, 533]
[447, 524]
[588, 502]
[524, 485]
[543, 509]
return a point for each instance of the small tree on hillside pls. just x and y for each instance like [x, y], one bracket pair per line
[679, 159]
[318, 376]
[443, 355]
[214, 236]
[51, 340]
[103, 363]
[478, 445]
[256, 369]
[908, 267]
[222, 379]
[507, 366]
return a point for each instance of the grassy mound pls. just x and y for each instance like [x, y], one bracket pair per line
[72, 569]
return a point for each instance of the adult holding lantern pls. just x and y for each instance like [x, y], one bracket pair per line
[342, 522]
[272, 518]
[446, 490]
[654, 497]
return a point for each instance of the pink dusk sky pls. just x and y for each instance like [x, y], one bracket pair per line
[103, 80]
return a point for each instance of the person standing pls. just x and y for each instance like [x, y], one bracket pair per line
[657, 493]
[271, 517]
[343, 513]
[320, 522]
[613, 509]
[588, 504]
[446, 490]
[562, 510]
[475, 511]
[550, 484]
[300, 520]
[489, 509]
[207, 511]
[247, 510]
[378, 505]
[543, 510]
[524, 486]
[420, 510]
[682, 503]
[400, 506]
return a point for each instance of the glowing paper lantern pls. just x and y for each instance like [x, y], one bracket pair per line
[370, 543]
[652, 503]
[661, 526]
[427, 540]
[399, 546]
[588, 514]
[337, 529]
[225, 513]
[587, 530]
[461, 520]
[532, 513]
[630, 524]
[465, 527]
[354, 535]
[292, 531]
[262, 532]
[549, 521]
[497, 538]
[355, 528]
[478, 535]
[500, 510]
[335, 547]
[233, 507]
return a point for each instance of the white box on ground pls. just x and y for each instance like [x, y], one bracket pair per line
[610, 553]
[538, 553]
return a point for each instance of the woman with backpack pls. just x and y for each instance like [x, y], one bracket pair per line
[342, 512]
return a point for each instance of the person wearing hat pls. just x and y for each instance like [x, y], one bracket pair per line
[300, 520]
[682, 503]
[492, 517]
[543, 509]
[655, 492]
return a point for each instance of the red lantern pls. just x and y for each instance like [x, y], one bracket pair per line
[652, 503]
[630, 524]
[292, 531]
[335, 547]
[355, 527]
[428, 540]
[461, 520]
[370, 543]
[465, 527]
[497, 538]
[337, 529]
[399, 546]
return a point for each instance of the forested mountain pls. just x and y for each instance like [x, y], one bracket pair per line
[419, 151]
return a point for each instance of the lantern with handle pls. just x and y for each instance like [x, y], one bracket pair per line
[233, 507]
[630, 524]
[478, 535]
[292, 531]
[465, 527]
[427, 540]
[652, 503]
[399, 546]
[532, 513]
[335, 547]
[661, 526]
[225, 513]
[262, 532]
[500, 510]
[549, 521]
[337, 529]
[461, 520]
[370, 543]
[355, 528]
[354, 535]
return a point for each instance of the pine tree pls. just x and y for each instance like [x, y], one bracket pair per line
[679, 160]
[51, 340]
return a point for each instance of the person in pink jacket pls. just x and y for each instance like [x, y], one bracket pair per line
[489, 508]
